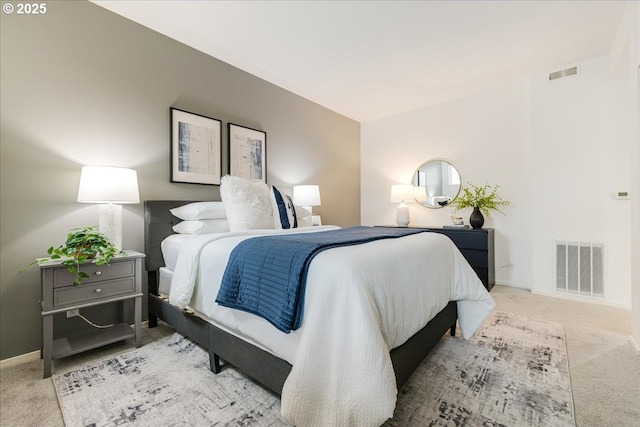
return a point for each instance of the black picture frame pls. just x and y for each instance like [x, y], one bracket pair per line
[247, 152]
[196, 148]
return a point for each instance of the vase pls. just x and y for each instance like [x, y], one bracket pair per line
[476, 219]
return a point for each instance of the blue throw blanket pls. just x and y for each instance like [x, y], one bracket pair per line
[267, 275]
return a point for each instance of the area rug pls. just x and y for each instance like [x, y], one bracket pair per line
[514, 372]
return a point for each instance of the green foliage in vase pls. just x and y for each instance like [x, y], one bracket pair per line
[82, 244]
[484, 198]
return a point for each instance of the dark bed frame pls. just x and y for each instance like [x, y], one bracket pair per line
[256, 363]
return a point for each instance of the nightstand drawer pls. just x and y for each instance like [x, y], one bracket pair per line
[73, 295]
[115, 270]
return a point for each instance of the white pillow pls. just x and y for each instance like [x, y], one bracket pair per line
[248, 203]
[304, 217]
[202, 226]
[200, 210]
[302, 212]
[284, 214]
[305, 222]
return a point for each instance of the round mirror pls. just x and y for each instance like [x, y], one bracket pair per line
[437, 183]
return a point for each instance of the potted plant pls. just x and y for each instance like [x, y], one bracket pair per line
[82, 244]
[482, 199]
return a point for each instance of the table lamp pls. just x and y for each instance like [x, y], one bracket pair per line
[110, 187]
[402, 193]
[306, 196]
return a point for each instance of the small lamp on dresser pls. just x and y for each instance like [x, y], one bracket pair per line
[110, 187]
[402, 193]
[306, 196]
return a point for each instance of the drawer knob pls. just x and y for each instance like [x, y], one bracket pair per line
[98, 273]
[98, 290]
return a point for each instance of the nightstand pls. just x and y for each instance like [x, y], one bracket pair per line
[121, 280]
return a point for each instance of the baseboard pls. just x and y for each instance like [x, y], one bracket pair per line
[35, 355]
[19, 360]
[634, 344]
[513, 285]
[580, 298]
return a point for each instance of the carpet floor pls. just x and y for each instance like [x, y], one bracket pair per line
[514, 372]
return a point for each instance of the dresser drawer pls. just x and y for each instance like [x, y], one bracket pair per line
[476, 258]
[115, 270]
[74, 295]
[468, 239]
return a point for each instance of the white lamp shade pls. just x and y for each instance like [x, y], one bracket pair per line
[402, 193]
[108, 184]
[306, 195]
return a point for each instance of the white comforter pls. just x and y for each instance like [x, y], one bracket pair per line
[361, 301]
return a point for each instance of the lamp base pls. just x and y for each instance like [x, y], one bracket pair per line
[110, 223]
[402, 215]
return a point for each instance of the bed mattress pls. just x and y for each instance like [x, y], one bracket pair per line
[247, 326]
[269, 338]
[171, 248]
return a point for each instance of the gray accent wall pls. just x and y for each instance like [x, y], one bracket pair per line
[81, 85]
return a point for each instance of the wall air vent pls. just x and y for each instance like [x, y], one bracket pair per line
[555, 75]
[579, 268]
[563, 73]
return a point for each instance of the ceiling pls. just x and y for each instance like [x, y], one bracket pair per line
[372, 59]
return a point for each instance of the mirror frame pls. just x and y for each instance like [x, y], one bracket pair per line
[415, 180]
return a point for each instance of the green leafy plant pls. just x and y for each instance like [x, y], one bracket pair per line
[82, 244]
[484, 198]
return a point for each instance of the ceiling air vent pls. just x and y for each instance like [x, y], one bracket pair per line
[563, 73]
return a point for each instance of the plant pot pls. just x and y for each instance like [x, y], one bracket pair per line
[84, 250]
[476, 219]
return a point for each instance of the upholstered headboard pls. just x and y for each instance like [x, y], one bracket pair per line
[157, 226]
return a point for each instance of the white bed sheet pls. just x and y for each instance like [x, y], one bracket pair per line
[247, 326]
[270, 339]
[164, 281]
[361, 301]
[171, 248]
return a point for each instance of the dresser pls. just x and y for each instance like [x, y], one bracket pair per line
[120, 280]
[477, 246]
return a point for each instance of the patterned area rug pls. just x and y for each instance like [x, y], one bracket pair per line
[512, 373]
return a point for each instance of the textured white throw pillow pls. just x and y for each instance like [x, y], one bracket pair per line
[248, 203]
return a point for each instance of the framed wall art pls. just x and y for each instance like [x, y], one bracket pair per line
[247, 152]
[195, 148]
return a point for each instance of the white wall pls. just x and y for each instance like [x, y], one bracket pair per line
[581, 131]
[487, 138]
[625, 51]
[634, 12]
[557, 149]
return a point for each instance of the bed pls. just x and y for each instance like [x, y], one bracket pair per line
[247, 352]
